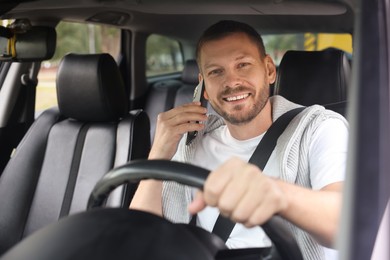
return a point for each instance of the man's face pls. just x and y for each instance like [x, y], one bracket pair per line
[236, 77]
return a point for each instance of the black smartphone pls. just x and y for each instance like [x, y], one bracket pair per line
[198, 96]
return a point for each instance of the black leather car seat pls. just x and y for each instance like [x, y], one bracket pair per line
[67, 150]
[315, 77]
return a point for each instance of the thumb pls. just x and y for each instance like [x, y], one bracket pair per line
[198, 204]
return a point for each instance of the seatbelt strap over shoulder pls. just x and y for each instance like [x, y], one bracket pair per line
[224, 226]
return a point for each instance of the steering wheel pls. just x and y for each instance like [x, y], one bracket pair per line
[117, 233]
[190, 175]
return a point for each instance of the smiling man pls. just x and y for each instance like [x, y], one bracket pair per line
[302, 181]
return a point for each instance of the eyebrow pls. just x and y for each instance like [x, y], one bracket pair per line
[244, 56]
[241, 57]
[208, 66]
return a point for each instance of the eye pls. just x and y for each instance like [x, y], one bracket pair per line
[215, 72]
[243, 64]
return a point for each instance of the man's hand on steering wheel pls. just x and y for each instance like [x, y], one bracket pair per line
[242, 193]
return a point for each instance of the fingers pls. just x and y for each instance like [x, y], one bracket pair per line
[180, 123]
[262, 200]
[182, 119]
[242, 206]
[224, 179]
[241, 192]
[172, 124]
[198, 204]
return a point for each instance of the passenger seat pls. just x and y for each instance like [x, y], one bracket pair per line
[67, 150]
[315, 77]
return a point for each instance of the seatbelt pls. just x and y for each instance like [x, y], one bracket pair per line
[74, 170]
[224, 226]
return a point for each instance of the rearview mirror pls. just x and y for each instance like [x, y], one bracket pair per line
[35, 44]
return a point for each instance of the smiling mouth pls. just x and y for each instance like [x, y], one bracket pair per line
[235, 98]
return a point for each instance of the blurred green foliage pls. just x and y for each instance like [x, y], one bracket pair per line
[86, 38]
[163, 55]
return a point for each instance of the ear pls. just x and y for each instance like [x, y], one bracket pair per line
[206, 96]
[200, 77]
[270, 69]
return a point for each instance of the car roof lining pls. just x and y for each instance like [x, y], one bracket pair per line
[270, 7]
[266, 16]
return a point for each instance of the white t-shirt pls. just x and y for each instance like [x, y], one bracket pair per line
[328, 144]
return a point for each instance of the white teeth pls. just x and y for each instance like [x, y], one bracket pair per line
[237, 97]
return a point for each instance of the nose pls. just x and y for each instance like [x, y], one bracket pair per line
[232, 79]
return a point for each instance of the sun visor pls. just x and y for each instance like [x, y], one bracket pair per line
[37, 43]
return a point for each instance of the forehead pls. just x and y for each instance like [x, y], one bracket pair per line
[228, 47]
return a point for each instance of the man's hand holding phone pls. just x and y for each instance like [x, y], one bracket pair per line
[172, 125]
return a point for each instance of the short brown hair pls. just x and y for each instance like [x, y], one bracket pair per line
[226, 27]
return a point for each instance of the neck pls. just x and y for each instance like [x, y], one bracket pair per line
[254, 128]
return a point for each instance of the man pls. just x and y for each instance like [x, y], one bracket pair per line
[302, 181]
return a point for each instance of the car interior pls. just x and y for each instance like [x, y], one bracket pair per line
[106, 105]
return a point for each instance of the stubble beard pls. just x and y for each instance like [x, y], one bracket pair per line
[235, 118]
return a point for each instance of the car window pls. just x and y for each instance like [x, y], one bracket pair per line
[75, 38]
[277, 44]
[163, 55]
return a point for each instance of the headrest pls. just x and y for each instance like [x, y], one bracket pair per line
[90, 88]
[313, 77]
[190, 72]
